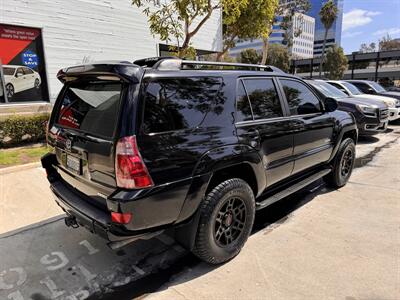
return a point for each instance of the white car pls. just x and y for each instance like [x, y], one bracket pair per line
[352, 90]
[19, 78]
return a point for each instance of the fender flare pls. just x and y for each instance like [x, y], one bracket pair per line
[211, 162]
[346, 127]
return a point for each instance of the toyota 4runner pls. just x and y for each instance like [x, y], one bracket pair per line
[194, 146]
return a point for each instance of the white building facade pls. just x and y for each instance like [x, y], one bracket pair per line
[45, 36]
[302, 44]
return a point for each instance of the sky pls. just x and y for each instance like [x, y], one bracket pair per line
[366, 21]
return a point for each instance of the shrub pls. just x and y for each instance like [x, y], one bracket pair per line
[20, 129]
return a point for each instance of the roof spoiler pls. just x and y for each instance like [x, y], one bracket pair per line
[123, 70]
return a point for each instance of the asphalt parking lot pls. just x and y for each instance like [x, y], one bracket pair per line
[316, 244]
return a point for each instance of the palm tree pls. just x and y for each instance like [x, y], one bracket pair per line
[328, 14]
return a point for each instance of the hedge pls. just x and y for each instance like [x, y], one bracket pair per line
[19, 129]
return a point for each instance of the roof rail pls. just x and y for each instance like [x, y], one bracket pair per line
[174, 63]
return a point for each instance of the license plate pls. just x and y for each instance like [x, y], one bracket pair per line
[74, 164]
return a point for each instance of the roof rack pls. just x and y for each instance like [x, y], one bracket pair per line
[174, 63]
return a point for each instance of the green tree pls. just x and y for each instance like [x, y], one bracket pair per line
[278, 56]
[250, 56]
[365, 48]
[181, 20]
[336, 63]
[387, 43]
[253, 21]
[328, 14]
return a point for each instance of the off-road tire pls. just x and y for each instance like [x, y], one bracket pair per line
[336, 178]
[206, 246]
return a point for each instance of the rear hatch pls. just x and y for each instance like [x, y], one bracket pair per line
[84, 129]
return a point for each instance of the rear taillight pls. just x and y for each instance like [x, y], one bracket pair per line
[121, 218]
[130, 170]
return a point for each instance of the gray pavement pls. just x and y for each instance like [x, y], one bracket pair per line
[318, 244]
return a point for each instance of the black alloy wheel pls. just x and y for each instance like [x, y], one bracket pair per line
[230, 221]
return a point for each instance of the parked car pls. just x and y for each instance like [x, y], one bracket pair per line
[168, 143]
[371, 115]
[393, 89]
[352, 90]
[19, 78]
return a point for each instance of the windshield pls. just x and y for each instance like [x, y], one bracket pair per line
[377, 87]
[9, 71]
[352, 88]
[327, 90]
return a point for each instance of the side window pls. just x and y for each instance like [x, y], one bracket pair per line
[361, 86]
[338, 86]
[300, 98]
[20, 71]
[28, 71]
[264, 98]
[177, 103]
[243, 109]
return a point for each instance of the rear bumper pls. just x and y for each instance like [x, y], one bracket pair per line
[153, 210]
[91, 217]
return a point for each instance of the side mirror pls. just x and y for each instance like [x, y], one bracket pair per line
[19, 74]
[330, 104]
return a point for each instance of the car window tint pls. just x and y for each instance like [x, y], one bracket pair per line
[243, 105]
[300, 98]
[177, 103]
[28, 71]
[263, 98]
[91, 107]
[20, 70]
[335, 85]
[361, 86]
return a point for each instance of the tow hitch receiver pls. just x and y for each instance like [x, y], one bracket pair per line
[70, 221]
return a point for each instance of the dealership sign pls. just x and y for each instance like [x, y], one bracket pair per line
[30, 59]
[22, 65]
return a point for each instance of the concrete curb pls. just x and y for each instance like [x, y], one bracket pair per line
[32, 226]
[19, 168]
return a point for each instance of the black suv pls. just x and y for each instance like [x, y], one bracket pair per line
[195, 146]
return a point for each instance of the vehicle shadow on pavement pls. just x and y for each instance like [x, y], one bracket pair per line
[51, 261]
[362, 140]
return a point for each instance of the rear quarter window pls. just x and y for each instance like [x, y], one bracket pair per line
[177, 103]
[91, 107]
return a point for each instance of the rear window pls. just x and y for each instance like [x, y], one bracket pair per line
[177, 103]
[91, 107]
[9, 71]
